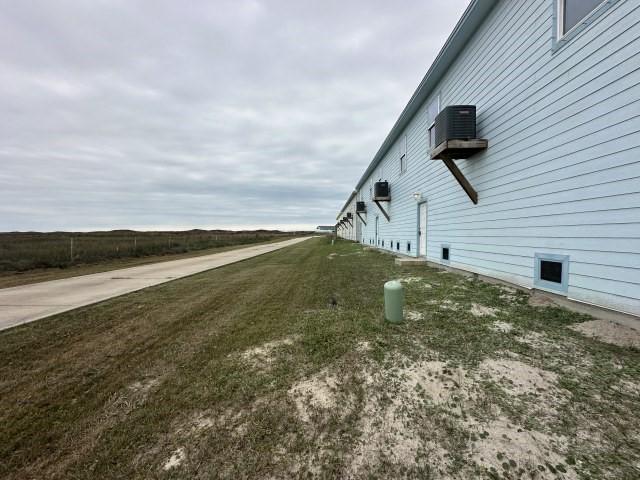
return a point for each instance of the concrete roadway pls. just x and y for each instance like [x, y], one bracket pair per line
[27, 303]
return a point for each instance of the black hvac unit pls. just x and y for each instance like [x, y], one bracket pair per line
[361, 207]
[349, 215]
[381, 191]
[455, 122]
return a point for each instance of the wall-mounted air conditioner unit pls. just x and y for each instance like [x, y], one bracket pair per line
[456, 138]
[361, 207]
[381, 192]
[456, 122]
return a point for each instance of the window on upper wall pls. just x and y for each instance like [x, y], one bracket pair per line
[572, 12]
[403, 154]
[432, 112]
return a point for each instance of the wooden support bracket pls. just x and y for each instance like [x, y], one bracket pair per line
[384, 212]
[462, 180]
[361, 219]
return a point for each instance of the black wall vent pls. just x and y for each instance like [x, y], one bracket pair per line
[381, 191]
[445, 253]
[551, 271]
[361, 207]
[456, 122]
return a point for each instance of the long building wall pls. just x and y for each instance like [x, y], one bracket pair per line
[350, 230]
[562, 171]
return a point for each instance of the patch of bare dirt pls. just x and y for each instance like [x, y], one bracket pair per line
[410, 279]
[397, 436]
[537, 300]
[389, 431]
[609, 332]
[364, 346]
[534, 339]
[143, 387]
[413, 316]
[501, 447]
[415, 280]
[502, 327]
[383, 434]
[176, 458]
[628, 388]
[508, 294]
[313, 394]
[263, 355]
[519, 378]
[565, 353]
[446, 304]
[434, 378]
[478, 310]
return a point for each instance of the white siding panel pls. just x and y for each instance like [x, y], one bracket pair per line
[562, 171]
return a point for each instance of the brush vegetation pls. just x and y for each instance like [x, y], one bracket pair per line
[32, 250]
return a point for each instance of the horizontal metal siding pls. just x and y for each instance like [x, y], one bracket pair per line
[562, 172]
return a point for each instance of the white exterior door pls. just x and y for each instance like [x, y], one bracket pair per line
[422, 229]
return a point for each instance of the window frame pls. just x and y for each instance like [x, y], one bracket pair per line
[442, 247]
[554, 287]
[403, 154]
[561, 38]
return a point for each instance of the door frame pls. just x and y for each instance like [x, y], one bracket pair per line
[419, 252]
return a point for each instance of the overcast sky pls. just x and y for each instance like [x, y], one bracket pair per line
[159, 114]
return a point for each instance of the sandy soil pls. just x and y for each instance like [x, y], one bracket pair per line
[262, 355]
[502, 327]
[314, 394]
[176, 458]
[610, 332]
[478, 310]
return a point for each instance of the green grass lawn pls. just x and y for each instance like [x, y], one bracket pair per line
[281, 366]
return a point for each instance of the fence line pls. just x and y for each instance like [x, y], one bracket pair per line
[25, 251]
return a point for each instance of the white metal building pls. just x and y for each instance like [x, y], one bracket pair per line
[556, 86]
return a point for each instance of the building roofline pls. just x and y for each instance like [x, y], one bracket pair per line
[468, 24]
[346, 204]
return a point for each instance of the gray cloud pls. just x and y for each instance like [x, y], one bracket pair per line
[221, 114]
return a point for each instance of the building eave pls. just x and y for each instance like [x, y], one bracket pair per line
[468, 24]
[346, 204]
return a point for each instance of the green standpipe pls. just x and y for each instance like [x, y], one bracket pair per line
[393, 301]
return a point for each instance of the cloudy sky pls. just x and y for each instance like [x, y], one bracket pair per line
[156, 114]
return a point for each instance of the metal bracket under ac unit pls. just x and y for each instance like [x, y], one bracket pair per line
[361, 219]
[450, 149]
[384, 212]
[462, 180]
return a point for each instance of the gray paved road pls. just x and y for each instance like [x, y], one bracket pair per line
[39, 300]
